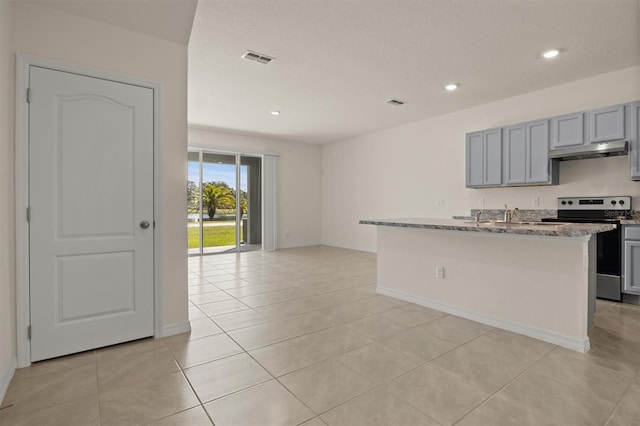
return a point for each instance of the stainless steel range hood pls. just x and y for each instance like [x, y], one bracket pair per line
[609, 149]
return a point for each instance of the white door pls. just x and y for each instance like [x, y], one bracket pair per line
[91, 200]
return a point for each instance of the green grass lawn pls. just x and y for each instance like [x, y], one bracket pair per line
[213, 236]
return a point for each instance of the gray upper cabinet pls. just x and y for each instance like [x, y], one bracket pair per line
[493, 157]
[526, 154]
[519, 154]
[634, 140]
[537, 144]
[515, 155]
[484, 158]
[567, 130]
[607, 124]
[475, 158]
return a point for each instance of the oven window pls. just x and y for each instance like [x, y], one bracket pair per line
[609, 252]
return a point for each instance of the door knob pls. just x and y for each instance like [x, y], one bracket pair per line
[144, 224]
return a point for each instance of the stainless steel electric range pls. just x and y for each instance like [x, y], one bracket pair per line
[609, 259]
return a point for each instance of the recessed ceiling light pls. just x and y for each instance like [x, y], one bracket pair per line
[275, 112]
[550, 54]
[451, 87]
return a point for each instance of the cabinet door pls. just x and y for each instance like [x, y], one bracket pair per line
[515, 154]
[475, 159]
[632, 267]
[606, 124]
[537, 152]
[634, 140]
[492, 157]
[567, 130]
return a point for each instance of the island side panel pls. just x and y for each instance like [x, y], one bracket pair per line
[538, 286]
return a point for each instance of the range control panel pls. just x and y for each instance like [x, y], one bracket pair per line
[594, 203]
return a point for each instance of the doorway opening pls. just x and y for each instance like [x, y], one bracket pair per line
[224, 202]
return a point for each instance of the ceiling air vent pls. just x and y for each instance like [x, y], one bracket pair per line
[257, 57]
[396, 102]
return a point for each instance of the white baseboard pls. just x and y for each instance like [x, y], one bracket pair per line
[351, 247]
[171, 329]
[7, 375]
[579, 345]
[297, 245]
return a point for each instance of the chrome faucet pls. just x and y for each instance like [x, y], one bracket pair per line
[478, 214]
[508, 214]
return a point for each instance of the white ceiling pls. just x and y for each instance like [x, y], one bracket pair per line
[165, 19]
[338, 61]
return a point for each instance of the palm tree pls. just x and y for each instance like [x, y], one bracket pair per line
[244, 206]
[193, 197]
[215, 196]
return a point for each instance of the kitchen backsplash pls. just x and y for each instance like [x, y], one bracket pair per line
[520, 215]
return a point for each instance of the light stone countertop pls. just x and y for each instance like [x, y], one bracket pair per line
[551, 230]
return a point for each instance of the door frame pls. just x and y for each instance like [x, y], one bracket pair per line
[238, 157]
[23, 313]
[268, 187]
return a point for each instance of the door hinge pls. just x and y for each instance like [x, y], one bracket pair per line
[29, 332]
[29, 214]
[29, 95]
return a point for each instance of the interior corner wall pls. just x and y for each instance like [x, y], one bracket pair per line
[299, 181]
[7, 199]
[418, 169]
[47, 33]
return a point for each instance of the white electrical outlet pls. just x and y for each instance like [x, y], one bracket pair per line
[481, 202]
[440, 203]
[535, 201]
[440, 272]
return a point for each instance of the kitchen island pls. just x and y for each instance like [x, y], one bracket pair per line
[533, 279]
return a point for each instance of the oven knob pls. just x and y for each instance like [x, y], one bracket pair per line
[570, 202]
[613, 202]
[621, 202]
[563, 203]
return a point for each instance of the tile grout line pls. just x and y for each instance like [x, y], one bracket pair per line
[95, 353]
[286, 388]
[295, 337]
[618, 403]
[254, 385]
[484, 401]
[578, 389]
[334, 357]
[194, 392]
[381, 384]
[426, 363]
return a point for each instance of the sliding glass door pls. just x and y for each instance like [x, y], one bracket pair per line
[224, 208]
[251, 202]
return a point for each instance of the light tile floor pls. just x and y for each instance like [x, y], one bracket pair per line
[300, 337]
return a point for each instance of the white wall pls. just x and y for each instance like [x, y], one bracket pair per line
[407, 170]
[7, 206]
[48, 33]
[299, 181]
[480, 265]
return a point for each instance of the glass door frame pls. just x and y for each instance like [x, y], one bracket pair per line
[238, 204]
[238, 218]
